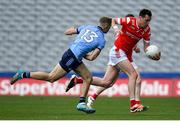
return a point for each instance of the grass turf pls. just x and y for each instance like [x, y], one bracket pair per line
[62, 108]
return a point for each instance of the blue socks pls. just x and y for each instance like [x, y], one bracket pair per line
[26, 75]
[82, 99]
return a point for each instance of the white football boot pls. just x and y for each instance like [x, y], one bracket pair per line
[90, 101]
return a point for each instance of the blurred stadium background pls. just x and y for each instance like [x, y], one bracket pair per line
[32, 37]
[31, 31]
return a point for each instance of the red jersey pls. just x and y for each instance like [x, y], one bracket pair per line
[130, 35]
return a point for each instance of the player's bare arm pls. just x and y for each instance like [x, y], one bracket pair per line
[113, 22]
[71, 31]
[115, 28]
[146, 44]
[93, 55]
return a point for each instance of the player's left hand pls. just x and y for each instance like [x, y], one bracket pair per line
[156, 57]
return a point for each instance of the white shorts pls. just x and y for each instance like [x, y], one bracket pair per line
[118, 56]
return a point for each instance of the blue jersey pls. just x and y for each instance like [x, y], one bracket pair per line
[89, 38]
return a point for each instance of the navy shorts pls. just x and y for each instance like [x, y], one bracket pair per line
[69, 61]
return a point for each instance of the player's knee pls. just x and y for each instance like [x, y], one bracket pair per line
[51, 78]
[138, 80]
[134, 74]
[107, 84]
[88, 78]
[110, 85]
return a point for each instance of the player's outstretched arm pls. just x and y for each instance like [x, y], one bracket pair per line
[93, 55]
[71, 31]
[115, 28]
[146, 44]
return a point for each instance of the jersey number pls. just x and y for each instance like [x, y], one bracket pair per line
[89, 35]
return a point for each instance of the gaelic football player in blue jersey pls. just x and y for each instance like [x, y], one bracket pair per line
[89, 38]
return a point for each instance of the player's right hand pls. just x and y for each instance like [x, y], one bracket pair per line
[137, 50]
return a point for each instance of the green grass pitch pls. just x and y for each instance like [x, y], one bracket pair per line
[63, 108]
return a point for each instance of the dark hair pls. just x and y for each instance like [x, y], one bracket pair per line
[105, 20]
[145, 12]
[105, 24]
[129, 15]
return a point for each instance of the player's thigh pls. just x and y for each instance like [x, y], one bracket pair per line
[127, 67]
[57, 72]
[111, 74]
[83, 71]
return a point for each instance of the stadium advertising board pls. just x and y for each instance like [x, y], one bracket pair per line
[150, 88]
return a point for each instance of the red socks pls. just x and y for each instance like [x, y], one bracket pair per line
[138, 102]
[133, 102]
[78, 80]
[95, 96]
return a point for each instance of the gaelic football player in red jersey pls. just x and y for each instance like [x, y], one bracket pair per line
[120, 57]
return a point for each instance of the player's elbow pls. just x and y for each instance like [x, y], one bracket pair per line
[70, 31]
[91, 58]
